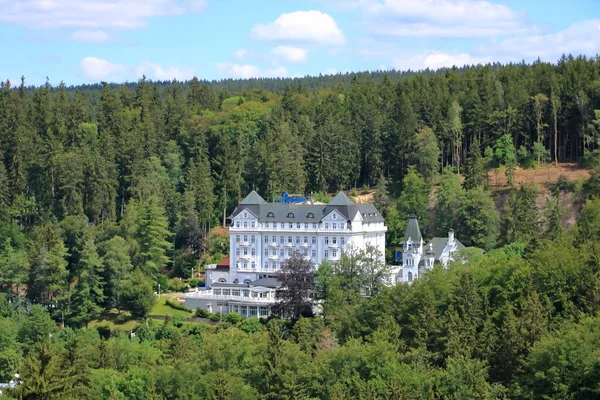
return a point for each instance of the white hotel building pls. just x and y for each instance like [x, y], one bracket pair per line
[262, 235]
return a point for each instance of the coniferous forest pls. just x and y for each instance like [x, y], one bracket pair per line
[112, 192]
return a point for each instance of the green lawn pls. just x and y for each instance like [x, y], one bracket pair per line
[160, 308]
[122, 322]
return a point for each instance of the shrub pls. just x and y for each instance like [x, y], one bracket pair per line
[177, 305]
[177, 285]
[322, 197]
[214, 317]
[201, 313]
[354, 192]
[234, 318]
[195, 282]
[365, 189]
[251, 325]
[178, 320]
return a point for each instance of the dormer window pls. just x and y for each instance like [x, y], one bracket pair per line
[290, 215]
[334, 216]
[311, 215]
[270, 215]
[245, 215]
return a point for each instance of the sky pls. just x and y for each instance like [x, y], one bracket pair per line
[88, 41]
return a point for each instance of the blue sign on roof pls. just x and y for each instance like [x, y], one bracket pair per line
[287, 199]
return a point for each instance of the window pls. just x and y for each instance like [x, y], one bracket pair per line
[253, 265]
[237, 238]
[333, 253]
[305, 239]
[226, 292]
[253, 224]
[314, 225]
[253, 252]
[306, 225]
[310, 215]
[235, 292]
[273, 264]
[334, 216]
[314, 240]
[298, 225]
[290, 215]
[274, 252]
[245, 251]
[326, 253]
[282, 253]
[217, 292]
[326, 225]
[334, 226]
[264, 311]
[246, 292]
[270, 215]
[245, 264]
[297, 239]
[253, 239]
[237, 252]
[289, 239]
[245, 238]
[245, 224]
[342, 225]
[289, 253]
[305, 252]
[314, 253]
[326, 239]
[266, 252]
[245, 215]
[410, 276]
[266, 239]
[334, 240]
[343, 240]
[281, 239]
[274, 239]
[253, 311]
[266, 265]
[237, 224]
[282, 225]
[291, 226]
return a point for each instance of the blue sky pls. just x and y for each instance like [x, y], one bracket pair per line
[86, 41]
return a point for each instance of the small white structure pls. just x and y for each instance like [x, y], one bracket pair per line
[418, 257]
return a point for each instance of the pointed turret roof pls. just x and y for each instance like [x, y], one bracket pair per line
[253, 198]
[341, 200]
[412, 230]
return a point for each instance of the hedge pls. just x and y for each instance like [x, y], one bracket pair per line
[177, 305]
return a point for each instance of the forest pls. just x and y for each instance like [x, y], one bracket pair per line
[107, 191]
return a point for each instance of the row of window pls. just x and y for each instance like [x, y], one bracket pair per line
[291, 225]
[290, 240]
[242, 293]
[249, 311]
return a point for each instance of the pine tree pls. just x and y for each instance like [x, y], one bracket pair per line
[220, 389]
[475, 171]
[88, 296]
[117, 267]
[199, 191]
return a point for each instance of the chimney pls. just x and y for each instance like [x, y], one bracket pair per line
[451, 236]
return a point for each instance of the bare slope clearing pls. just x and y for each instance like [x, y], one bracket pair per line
[545, 175]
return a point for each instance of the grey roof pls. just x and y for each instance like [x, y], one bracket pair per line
[267, 282]
[277, 212]
[253, 198]
[341, 200]
[412, 231]
[440, 242]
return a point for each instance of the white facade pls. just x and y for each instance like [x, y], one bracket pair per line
[263, 235]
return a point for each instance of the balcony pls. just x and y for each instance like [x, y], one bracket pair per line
[272, 244]
[274, 258]
[305, 244]
[245, 256]
[333, 245]
[244, 244]
[289, 244]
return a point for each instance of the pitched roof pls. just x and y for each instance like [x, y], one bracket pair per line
[277, 212]
[412, 230]
[253, 198]
[267, 282]
[341, 200]
[439, 243]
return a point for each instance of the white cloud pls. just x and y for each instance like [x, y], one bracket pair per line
[90, 36]
[241, 54]
[92, 14]
[158, 72]
[94, 69]
[441, 18]
[290, 53]
[435, 60]
[306, 26]
[237, 71]
[580, 38]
